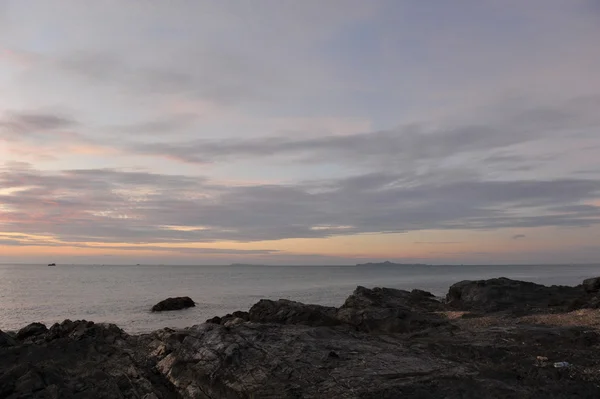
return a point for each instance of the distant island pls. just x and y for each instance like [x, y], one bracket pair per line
[388, 263]
[245, 264]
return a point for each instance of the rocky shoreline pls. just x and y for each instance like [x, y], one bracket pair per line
[497, 338]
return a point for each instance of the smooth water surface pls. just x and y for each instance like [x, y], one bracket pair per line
[124, 294]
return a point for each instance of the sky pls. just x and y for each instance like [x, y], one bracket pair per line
[300, 132]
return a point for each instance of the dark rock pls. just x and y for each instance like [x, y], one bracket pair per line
[241, 315]
[387, 310]
[214, 320]
[174, 304]
[284, 311]
[286, 361]
[285, 349]
[33, 329]
[30, 382]
[591, 284]
[417, 300]
[80, 329]
[505, 294]
[6, 340]
[71, 363]
[228, 318]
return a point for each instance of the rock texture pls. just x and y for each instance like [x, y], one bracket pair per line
[591, 284]
[178, 303]
[6, 340]
[505, 294]
[381, 343]
[78, 360]
[289, 312]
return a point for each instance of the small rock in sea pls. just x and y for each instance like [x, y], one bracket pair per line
[174, 304]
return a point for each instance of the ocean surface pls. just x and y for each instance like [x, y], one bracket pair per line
[124, 294]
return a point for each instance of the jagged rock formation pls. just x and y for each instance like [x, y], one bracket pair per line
[381, 343]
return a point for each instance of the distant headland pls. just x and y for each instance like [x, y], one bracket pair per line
[388, 263]
[245, 264]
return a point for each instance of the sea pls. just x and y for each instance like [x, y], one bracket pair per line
[123, 295]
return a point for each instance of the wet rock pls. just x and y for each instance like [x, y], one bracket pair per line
[177, 303]
[33, 329]
[285, 311]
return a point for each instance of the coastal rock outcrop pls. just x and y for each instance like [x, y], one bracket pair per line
[79, 359]
[292, 361]
[389, 310]
[381, 343]
[284, 311]
[499, 294]
[178, 303]
[32, 330]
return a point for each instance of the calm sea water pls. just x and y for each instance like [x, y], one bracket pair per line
[124, 294]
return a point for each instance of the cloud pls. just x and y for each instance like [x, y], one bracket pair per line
[112, 206]
[31, 123]
[518, 236]
[403, 145]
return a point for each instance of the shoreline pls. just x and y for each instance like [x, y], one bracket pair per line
[490, 338]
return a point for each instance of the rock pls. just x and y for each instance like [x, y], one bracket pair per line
[505, 294]
[234, 322]
[214, 320]
[285, 311]
[79, 359]
[294, 361]
[174, 304]
[6, 340]
[33, 329]
[229, 317]
[386, 310]
[416, 300]
[380, 344]
[30, 382]
[591, 284]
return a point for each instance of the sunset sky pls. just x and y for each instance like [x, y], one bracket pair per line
[300, 132]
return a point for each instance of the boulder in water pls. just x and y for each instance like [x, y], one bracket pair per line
[178, 303]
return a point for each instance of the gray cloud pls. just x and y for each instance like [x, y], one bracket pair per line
[518, 236]
[137, 207]
[27, 123]
[493, 141]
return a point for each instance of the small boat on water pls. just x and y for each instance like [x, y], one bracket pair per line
[51, 264]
